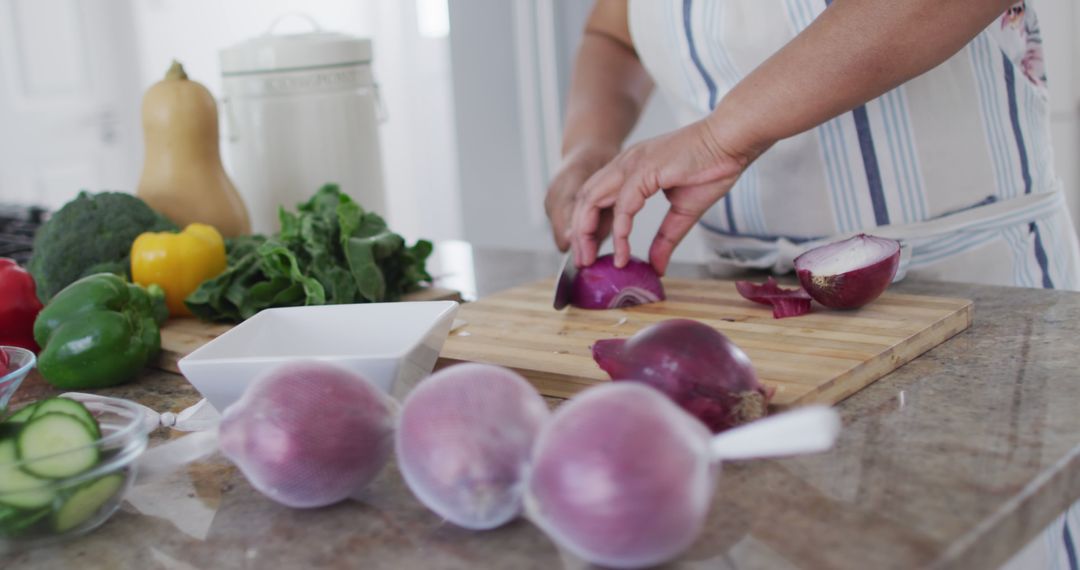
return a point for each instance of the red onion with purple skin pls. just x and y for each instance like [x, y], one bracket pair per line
[850, 273]
[309, 434]
[621, 477]
[695, 365]
[464, 439]
[604, 286]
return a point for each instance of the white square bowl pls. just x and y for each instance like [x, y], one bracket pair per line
[394, 345]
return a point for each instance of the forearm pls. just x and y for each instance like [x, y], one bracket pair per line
[608, 90]
[855, 51]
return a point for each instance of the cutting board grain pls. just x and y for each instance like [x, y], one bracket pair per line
[822, 357]
[180, 337]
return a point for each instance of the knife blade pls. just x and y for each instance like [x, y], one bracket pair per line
[564, 284]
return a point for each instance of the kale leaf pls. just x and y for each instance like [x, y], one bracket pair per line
[330, 251]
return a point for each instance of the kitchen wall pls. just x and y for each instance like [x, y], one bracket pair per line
[1059, 20]
[72, 74]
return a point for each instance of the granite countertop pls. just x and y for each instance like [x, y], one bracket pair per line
[955, 460]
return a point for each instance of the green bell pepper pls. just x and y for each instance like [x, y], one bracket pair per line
[98, 332]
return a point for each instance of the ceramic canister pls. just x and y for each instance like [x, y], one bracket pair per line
[300, 111]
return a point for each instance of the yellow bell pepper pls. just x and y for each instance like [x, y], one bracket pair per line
[178, 262]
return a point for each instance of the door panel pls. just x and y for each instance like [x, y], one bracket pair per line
[69, 100]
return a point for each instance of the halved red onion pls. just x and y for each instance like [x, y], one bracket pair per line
[850, 273]
[604, 286]
[785, 302]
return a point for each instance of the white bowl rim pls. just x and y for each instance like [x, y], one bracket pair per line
[193, 358]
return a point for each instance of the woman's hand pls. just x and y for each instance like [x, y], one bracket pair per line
[565, 188]
[608, 90]
[694, 166]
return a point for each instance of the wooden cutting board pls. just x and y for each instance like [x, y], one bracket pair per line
[822, 357]
[180, 337]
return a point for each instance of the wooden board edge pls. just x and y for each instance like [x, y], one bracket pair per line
[840, 388]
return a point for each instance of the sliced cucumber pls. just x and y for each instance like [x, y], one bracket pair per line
[56, 445]
[82, 504]
[14, 522]
[71, 408]
[18, 489]
[22, 415]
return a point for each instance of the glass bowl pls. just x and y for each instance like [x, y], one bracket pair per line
[44, 511]
[20, 363]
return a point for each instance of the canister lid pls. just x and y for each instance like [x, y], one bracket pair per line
[294, 52]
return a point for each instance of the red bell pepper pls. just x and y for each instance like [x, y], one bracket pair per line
[19, 306]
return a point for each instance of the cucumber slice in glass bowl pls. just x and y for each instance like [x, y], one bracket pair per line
[56, 446]
[72, 459]
[65, 406]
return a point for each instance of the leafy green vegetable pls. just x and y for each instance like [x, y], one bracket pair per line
[90, 234]
[329, 252]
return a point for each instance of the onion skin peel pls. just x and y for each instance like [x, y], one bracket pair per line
[785, 302]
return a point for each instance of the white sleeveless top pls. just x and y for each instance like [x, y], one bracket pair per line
[957, 162]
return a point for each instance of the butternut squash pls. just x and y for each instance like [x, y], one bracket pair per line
[182, 175]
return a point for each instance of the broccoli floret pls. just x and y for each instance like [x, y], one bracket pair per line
[92, 233]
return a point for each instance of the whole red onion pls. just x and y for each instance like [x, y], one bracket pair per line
[309, 434]
[464, 439]
[695, 365]
[621, 477]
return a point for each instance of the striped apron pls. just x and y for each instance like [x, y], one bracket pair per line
[956, 163]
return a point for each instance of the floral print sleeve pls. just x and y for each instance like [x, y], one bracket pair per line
[1017, 32]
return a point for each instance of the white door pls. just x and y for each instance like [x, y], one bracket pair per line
[69, 100]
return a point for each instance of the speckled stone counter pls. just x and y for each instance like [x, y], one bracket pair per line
[955, 460]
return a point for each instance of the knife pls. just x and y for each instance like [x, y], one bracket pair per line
[564, 284]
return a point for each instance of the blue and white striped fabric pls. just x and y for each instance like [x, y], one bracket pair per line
[972, 132]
